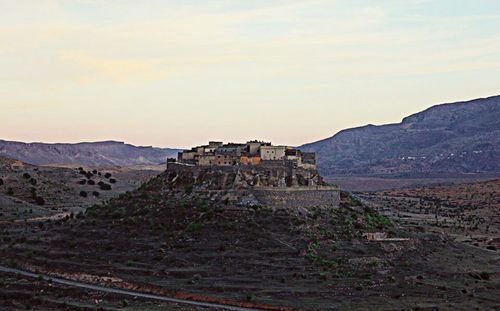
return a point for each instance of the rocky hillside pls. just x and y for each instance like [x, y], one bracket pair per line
[448, 139]
[58, 187]
[107, 153]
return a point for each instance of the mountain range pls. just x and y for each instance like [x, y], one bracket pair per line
[447, 139]
[106, 153]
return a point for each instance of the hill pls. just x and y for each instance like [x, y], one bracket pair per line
[28, 191]
[163, 239]
[106, 153]
[444, 140]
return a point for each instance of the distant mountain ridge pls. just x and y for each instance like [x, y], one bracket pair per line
[447, 139]
[104, 153]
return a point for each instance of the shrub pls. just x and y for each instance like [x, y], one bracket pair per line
[105, 187]
[33, 181]
[80, 168]
[82, 182]
[39, 201]
[26, 175]
[375, 220]
[94, 172]
[10, 191]
[1, 182]
[107, 175]
[83, 194]
[89, 175]
[194, 226]
[95, 193]
[112, 180]
[91, 182]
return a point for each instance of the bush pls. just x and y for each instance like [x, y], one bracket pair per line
[95, 193]
[112, 180]
[33, 181]
[39, 201]
[105, 187]
[26, 175]
[82, 182]
[89, 175]
[107, 175]
[374, 220]
[194, 226]
[94, 172]
[83, 194]
[10, 191]
[91, 182]
[1, 182]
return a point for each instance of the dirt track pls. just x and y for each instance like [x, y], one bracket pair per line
[120, 291]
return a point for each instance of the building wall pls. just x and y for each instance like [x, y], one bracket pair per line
[252, 160]
[206, 160]
[268, 153]
[186, 156]
[223, 159]
[253, 148]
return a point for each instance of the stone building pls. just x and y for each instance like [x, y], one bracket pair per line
[272, 153]
[254, 153]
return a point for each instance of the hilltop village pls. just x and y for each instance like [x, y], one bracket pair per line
[252, 173]
[253, 153]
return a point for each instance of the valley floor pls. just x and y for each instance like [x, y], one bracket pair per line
[307, 259]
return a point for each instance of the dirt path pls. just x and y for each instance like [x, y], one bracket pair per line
[41, 218]
[120, 291]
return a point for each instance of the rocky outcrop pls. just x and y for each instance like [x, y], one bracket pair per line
[240, 177]
[270, 185]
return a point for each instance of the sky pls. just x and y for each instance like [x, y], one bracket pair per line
[180, 73]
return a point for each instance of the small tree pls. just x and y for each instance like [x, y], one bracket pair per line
[105, 187]
[1, 182]
[39, 201]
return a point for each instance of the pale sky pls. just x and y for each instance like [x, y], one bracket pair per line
[178, 73]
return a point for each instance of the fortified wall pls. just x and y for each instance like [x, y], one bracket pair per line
[272, 184]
